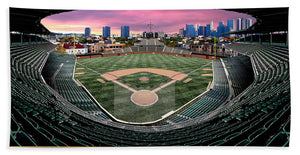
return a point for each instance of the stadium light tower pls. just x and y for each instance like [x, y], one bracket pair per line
[150, 26]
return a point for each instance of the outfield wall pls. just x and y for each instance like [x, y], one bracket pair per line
[109, 55]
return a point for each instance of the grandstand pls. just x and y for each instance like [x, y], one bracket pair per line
[150, 45]
[248, 103]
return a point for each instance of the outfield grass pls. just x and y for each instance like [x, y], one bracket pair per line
[116, 99]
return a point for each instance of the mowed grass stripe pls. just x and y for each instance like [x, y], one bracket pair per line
[104, 93]
[132, 61]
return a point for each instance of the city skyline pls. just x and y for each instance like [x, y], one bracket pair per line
[168, 21]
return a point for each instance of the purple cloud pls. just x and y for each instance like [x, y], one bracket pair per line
[168, 21]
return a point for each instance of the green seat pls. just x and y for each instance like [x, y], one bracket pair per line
[244, 142]
[281, 139]
[217, 143]
[22, 139]
[256, 134]
[265, 110]
[84, 143]
[233, 135]
[287, 125]
[269, 123]
[58, 142]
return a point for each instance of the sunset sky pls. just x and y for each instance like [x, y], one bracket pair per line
[168, 21]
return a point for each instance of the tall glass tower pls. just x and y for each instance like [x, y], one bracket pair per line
[106, 31]
[190, 31]
[125, 31]
[230, 24]
[208, 30]
[201, 31]
[87, 32]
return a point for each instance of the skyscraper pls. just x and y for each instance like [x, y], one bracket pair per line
[248, 23]
[211, 25]
[106, 31]
[87, 32]
[125, 31]
[200, 31]
[190, 31]
[226, 30]
[208, 30]
[243, 23]
[238, 24]
[197, 26]
[230, 24]
[222, 29]
[181, 32]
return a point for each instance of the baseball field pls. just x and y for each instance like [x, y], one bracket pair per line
[143, 87]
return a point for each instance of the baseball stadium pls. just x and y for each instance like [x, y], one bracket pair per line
[151, 94]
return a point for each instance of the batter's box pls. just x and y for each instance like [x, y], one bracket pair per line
[143, 105]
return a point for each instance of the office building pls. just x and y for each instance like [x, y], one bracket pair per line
[248, 23]
[190, 31]
[181, 32]
[238, 24]
[87, 32]
[125, 31]
[106, 31]
[200, 31]
[230, 24]
[211, 26]
[208, 30]
[221, 29]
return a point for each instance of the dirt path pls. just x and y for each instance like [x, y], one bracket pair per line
[163, 86]
[119, 73]
[124, 86]
[144, 97]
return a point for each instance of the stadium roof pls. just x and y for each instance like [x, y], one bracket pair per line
[29, 20]
[267, 19]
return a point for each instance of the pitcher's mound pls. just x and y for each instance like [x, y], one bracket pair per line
[144, 79]
[144, 97]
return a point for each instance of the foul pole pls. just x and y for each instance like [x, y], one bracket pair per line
[74, 45]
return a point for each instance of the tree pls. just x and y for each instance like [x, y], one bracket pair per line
[83, 40]
[61, 49]
[231, 39]
[67, 39]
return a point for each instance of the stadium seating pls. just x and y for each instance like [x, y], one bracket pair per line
[240, 73]
[149, 45]
[213, 99]
[258, 114]
[62, 81]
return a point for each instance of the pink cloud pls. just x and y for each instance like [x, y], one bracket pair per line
[168, 21]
